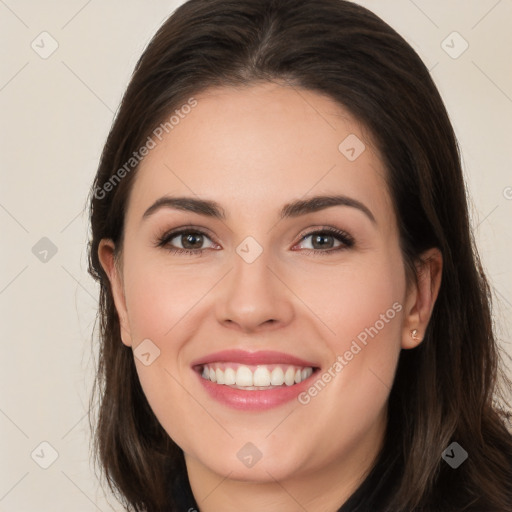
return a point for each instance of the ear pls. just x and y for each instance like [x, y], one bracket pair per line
[421, 297]
[106, 254]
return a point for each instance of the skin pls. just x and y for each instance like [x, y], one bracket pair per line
[253, 150]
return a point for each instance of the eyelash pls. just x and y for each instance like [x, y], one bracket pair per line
[342, 236]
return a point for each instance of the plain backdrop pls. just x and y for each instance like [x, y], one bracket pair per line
[56, 111]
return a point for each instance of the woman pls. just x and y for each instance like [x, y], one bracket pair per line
[292, 313]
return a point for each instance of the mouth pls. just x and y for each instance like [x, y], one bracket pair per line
[254, 377]
[254, 380]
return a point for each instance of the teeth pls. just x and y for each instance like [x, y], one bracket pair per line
[289, 376]
[277, 377]
[229, 376]
[244, 376]
[260, 376]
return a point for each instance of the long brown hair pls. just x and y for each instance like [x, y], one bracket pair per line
[445, 390]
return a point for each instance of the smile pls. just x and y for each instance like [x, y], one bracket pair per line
[255, 377]
[253, 380]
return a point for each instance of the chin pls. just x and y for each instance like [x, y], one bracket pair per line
[246, 462]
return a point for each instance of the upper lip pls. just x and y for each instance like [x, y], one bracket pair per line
[252, 358]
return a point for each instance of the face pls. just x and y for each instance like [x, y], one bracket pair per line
[266, 324]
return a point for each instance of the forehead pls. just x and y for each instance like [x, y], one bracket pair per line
[256, 147]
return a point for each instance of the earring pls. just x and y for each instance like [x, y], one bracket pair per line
[414, 334]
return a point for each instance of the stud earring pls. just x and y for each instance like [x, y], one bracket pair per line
[414, 334]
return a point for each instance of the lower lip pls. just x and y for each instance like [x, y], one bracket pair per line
[254, 400]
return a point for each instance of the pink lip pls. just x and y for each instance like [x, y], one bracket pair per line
[261, 357]
[252, 399]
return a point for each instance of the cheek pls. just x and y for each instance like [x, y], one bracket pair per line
[159, 297]
[158, 301]
[162, 302]
[360, 300]
[362, 308]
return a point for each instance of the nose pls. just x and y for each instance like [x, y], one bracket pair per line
[253, 298]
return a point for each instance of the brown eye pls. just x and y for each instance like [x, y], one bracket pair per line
[191, 240]
[322, 241]
[188, 241]
[326, 240]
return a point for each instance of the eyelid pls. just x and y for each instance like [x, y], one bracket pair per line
[327, 229]
[174, 232]
[346, 240]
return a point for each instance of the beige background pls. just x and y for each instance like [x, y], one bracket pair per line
[56, 113]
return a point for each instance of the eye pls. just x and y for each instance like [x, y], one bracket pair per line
[192, 241]
[326, 240]
[186, 241]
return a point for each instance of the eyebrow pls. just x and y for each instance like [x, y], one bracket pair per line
[296, 208]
